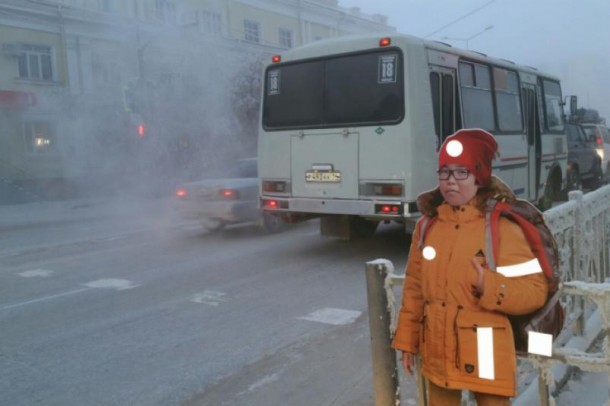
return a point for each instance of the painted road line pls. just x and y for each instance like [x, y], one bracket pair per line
[118, 284]
[44, 299]
[34, 273]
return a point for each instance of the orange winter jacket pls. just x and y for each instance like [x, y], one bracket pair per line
[466, 341]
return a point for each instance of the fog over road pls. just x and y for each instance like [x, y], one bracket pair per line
[107, 304]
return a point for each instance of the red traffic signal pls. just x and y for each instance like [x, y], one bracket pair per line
[141, 130]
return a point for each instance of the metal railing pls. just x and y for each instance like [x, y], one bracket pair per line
[581, 227]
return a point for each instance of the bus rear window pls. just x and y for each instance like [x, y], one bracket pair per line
[352, 90]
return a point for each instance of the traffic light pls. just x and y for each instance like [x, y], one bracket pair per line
[141, 130]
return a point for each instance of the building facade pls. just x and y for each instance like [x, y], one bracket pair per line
[82, 81]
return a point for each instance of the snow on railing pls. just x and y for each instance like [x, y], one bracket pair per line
[581, 227]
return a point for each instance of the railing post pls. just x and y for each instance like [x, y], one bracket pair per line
[577, 255]
[385, 373]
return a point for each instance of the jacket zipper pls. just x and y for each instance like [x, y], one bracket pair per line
[457, 338]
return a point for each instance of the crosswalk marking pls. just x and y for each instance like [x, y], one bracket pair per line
[118, 284]
[332, 316]
[209, 297]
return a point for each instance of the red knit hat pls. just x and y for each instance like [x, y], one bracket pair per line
[472, 148]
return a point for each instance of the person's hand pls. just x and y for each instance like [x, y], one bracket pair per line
[480, 283]
[408, 362]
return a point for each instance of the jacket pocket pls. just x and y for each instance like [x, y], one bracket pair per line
[484, 355]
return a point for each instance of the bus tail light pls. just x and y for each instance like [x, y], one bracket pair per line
[388, 208]
[383, 189]
[181, 193]
[384, 42]
[275, 186]
[274, 204]
[276, 58]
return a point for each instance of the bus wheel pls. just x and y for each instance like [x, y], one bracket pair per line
[362, 228]
[549, 195]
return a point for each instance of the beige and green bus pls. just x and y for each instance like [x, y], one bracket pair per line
[351, 127]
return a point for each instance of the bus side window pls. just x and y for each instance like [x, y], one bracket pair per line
[475, 84]
[552, 105]
[444, 104]
[448, 106]
[436, 104]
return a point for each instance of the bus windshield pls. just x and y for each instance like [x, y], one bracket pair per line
[347, 90]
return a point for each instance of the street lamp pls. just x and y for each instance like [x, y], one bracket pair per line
[467, 40]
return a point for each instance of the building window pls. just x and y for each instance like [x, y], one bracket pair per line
[252, 31]
[35, 62]
[285, 37]
[39, 137]
[165, 10]
[211, 22]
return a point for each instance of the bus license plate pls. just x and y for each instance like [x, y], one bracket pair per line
[330, 176]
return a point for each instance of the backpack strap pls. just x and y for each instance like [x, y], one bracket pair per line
[424, 225]
[491, 233]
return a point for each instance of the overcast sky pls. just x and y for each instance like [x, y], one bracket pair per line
[567, 38]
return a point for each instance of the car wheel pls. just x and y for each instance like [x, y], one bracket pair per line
[211, 225]
[574, 181]
[271, 223]
[596, 180]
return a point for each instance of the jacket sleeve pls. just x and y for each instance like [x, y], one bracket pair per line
[519, 285]
[406, 337]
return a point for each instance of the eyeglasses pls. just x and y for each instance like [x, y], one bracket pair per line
[458, 174]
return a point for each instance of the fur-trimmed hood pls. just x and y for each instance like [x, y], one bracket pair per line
[427, 202]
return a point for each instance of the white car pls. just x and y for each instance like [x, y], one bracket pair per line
[601, 135]
[233, 199]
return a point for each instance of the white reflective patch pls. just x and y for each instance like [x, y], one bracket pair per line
[522, 269]
[43, 273]
[454, 148]
[429, 253]
[485, 352]
[329, 315]
[539, 343]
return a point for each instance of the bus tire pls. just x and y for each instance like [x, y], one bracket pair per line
[362, 228]
[551, 193]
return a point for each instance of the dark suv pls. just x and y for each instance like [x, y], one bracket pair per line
[584, 163]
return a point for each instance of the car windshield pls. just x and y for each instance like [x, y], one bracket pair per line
[576, 133]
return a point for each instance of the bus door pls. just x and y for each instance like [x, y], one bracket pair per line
[532, 130]
[325, 165]
[444, 102]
